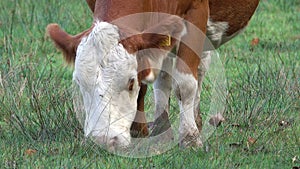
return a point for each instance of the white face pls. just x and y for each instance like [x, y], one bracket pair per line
[107, 77]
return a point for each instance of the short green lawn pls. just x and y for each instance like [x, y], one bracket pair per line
[38, 127]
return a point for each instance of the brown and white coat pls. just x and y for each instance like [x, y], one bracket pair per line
[219, 20]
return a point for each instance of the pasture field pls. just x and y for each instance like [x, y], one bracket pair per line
[38, 127]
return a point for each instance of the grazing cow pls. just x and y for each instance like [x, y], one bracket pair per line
[112, 60]
[109, 67]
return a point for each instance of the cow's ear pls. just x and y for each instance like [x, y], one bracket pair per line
[91, 4]
[66, 43]
[162, 41]
[146, 41]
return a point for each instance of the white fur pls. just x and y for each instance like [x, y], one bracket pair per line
[184, 31]
[185, 86]
[150, 77]
[155, 58]
[203, 68]
[110, 107]
[216, 32]
[162, 87]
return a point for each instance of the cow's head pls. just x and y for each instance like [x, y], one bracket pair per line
[107, 76]
[107, 73]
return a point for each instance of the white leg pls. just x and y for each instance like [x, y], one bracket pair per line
[202, 69]
[162, 87]
[162, 91]
[185, 86]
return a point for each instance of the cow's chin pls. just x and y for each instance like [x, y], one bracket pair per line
[112, 139]
[111, 131]
[109, 123]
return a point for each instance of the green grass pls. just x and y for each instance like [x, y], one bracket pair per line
[36, 110]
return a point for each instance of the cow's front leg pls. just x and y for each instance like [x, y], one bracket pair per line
[185, 86]
[186, 72]
[202, 69]
[139, 127]
[162, 91]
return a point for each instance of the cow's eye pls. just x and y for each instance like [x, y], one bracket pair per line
[131, 84]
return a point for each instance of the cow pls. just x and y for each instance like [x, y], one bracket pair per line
[113, 65]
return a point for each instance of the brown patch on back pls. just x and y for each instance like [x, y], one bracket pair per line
[236, 12]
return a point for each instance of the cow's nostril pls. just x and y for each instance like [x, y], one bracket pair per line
[113, 143]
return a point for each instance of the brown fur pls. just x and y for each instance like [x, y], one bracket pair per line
[139, 127]
[91, 4]
[66, 43]
[236, 12]
[189, 61]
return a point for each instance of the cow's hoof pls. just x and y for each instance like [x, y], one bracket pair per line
[191, 140]
[159, 128]
[160, 125]
[139, 130]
